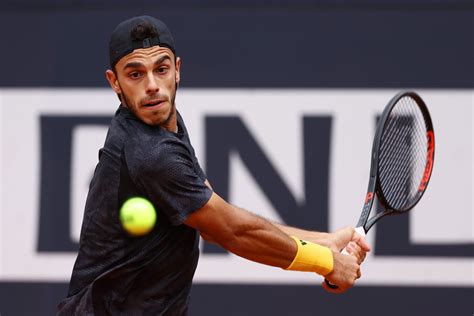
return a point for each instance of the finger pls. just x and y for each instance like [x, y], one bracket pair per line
[350, 249]
[360, 253]
[354, 250]
[360, 240]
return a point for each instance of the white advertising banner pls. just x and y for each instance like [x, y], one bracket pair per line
[274, 118]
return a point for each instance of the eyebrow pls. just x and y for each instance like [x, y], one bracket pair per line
[138, 65]
[162, 59]
[133, 65]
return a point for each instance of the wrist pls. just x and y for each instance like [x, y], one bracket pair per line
[312, 257]
[323, 239]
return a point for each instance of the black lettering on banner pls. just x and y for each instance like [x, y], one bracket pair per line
[224, 135]
[393, 239]
[228, 134]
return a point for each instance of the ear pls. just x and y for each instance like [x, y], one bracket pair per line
[112, 79]
[178, 68]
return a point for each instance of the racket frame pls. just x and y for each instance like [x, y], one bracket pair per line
[374, 187]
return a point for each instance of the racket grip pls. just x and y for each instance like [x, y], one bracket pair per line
[361, 231]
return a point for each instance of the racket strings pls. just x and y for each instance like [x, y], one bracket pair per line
[402, 162]
[393, 181]
[392, 175]
[397, 130]
[402, 154]
[400, 132]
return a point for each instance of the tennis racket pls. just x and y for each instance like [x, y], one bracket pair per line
[402, 160]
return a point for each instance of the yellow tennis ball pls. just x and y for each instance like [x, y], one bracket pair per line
[138, 216]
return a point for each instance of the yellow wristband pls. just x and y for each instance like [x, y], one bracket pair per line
[312, 257]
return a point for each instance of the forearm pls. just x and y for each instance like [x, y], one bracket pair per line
[256, 239]
[320, 238]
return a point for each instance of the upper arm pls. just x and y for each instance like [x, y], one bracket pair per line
[214, 218]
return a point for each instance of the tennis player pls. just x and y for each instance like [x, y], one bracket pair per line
[147, 152]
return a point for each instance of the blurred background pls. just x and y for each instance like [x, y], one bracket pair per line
[296, 86]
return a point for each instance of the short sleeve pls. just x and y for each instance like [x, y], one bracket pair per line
[200, 172]
[169, 177]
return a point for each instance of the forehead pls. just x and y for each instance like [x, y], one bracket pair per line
[145, 55]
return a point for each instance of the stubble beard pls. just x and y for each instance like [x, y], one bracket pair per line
[134, 109]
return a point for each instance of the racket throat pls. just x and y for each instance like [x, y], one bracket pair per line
[377, 217]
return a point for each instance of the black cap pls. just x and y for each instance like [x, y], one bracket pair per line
[138, 32]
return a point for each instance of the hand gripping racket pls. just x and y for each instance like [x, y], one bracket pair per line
[402, 160]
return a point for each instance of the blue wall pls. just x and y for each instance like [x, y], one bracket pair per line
[240, 43]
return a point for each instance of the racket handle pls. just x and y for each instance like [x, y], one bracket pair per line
[361, 231]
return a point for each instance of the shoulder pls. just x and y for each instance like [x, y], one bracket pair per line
[155, 154]
[157, 143]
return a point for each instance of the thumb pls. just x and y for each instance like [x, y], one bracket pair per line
[343, 236]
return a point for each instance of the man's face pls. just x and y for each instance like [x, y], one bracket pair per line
[146, 80]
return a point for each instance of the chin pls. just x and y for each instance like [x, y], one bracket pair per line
[156, 117]
[151, 121]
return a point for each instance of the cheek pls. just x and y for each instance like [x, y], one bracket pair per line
[131, 93]
[171, 85]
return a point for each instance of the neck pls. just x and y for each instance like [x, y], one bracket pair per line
[171, 123]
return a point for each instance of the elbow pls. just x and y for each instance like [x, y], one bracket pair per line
[207, 238]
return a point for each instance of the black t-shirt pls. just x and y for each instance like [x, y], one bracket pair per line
[114, 273]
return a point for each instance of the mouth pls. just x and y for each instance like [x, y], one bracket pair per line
[153, 104]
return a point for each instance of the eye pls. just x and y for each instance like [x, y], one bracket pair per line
[162, 69]
[135, 75]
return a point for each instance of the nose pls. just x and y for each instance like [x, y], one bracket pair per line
[152, 84]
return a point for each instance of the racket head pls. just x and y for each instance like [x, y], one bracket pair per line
[405, 147]
[402, 158]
